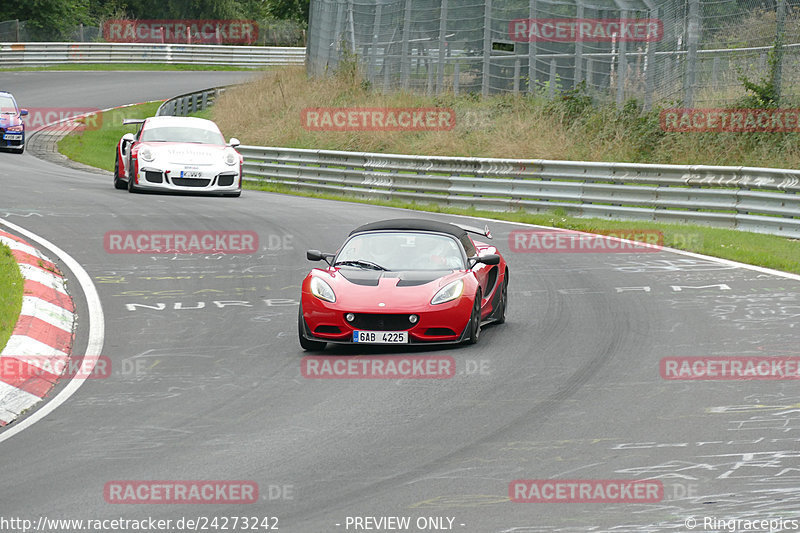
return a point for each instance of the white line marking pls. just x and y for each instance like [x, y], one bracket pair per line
[96, 331]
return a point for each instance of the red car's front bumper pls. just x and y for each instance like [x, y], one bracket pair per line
[443, 323]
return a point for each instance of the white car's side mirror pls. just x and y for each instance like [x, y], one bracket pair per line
[127, 139]
[234, 142]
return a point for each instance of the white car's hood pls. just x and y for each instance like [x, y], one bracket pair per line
[188, 153]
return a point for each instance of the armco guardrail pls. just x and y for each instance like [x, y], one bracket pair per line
[762, 200]
[182, 105]
[42, 54]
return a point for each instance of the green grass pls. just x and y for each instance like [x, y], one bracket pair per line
[96, 146]
[132, 66]
[11, 286]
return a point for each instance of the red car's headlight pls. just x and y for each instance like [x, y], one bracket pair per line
[322, 290]
[449, 292]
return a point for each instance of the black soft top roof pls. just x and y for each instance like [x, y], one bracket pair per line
[412, 224]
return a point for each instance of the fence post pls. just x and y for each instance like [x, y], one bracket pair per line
[650, 67]
[552, 84]
[455, 78]
[429, 90]
[405, 60]
[531, 49]
[376, 28]
[589, 71]
[487, 46]
[578, 50]
[777, 66]
[622, 66]
[352, 26]
[16, 21]
[516, 76]
[693, 38]
[336, 46]
[442, 44]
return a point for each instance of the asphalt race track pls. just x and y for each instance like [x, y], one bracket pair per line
[207, 383]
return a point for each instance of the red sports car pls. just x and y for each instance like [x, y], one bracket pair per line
[404, 281]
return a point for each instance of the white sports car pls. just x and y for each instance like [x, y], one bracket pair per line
[178, 154]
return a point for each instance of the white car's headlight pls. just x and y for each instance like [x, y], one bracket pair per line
[322, 290]
[451, 291]
[146, 154]
[230, 157]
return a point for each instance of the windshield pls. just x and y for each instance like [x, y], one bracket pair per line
[7, 105]
[403, 251]
[182, 134]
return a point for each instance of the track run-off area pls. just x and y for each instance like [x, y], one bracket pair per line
[207, 383]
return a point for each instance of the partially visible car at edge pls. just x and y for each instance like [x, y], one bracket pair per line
[12, 128]
[185, 154]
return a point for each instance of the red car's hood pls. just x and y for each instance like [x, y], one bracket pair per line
[367, 289]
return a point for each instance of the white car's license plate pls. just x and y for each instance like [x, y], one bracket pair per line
[380, 337]
[190, 174]
[12, 137]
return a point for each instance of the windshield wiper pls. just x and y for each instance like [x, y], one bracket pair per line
[361, 263]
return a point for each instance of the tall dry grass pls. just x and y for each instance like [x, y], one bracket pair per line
[267, 112]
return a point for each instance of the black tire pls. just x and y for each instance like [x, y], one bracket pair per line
[500, 316]
[308, 345]
[475, 321]
[118, 183]
[131, 188]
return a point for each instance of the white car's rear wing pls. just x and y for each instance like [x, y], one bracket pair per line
[484, 232]
[126, 121]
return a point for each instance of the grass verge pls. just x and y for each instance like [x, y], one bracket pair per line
[11, 289]
[96, 144]
[130, 66]
[96, 147]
